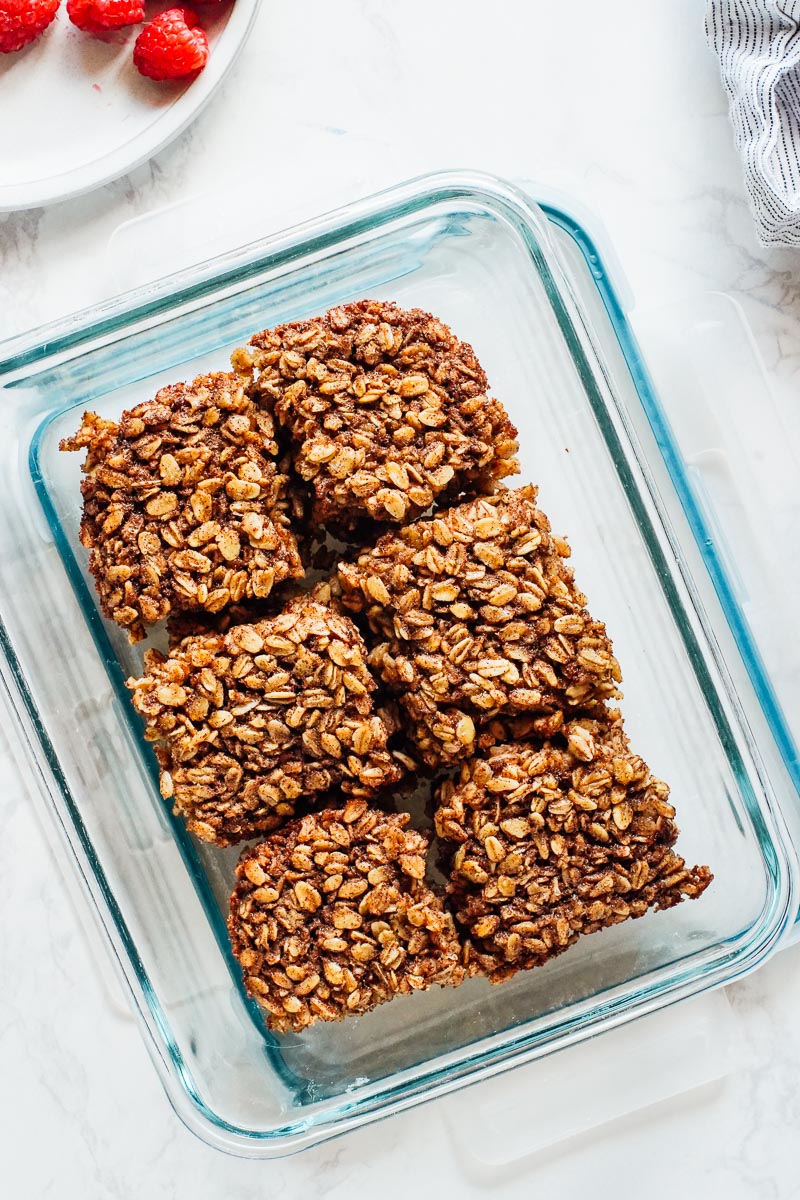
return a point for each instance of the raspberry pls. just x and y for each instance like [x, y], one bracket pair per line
[172, 46]
[23, 20]
[99, 16]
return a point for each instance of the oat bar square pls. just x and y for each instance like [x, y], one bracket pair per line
[550, 840]
[331, 916]
[385, 408]
[185, 504]
[252, 722]
[479, 618]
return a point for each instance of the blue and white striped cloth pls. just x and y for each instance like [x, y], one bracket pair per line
[758, 46]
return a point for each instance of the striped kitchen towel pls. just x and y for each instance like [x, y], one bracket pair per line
[758, 46]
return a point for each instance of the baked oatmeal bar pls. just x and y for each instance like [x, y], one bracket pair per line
[331, 917]
[185, 505]
[250, 722]
[480, 618]
[553, 839]
[386, 409]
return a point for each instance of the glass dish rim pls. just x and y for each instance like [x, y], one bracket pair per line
[168, 294]
[700, 527]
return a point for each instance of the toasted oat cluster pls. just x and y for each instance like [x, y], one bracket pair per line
[186, 505]
[251, 721]
[386, 409]
[480, 618]
[331, 916]
[557, 838]
[181, 625]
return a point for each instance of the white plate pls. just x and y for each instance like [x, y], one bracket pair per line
[75, 113]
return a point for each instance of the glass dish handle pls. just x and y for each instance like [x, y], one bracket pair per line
[507, 1118]
[20, 773]
[743, 468]
[742, 461]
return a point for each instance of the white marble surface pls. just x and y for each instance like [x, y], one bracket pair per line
[618, 104]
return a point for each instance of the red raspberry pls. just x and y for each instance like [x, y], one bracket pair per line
[98, 16]
[172, 46]
[23, 20]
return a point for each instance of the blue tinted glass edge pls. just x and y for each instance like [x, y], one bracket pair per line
[665, 439]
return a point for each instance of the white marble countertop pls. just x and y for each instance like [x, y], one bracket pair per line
[619, 105]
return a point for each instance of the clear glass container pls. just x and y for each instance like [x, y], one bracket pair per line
[527, 288]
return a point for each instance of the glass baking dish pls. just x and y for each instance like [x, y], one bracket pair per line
[526, 287]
